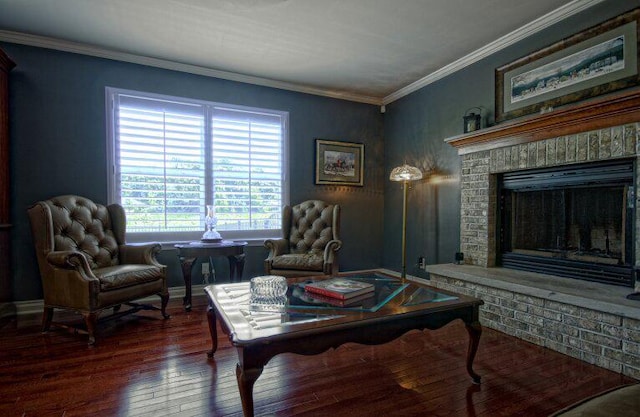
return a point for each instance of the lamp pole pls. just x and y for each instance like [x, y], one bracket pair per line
[405, 173]
[405, 187]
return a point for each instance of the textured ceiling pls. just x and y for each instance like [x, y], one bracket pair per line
[366, 50]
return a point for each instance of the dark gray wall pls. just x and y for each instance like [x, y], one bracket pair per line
[415, 128]
[58, 146]
[57, 130]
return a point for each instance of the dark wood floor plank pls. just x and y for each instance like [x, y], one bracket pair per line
[145, 366]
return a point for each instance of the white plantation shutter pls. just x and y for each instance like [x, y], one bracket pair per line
[172, 157]
[247, 169]
[161, 164]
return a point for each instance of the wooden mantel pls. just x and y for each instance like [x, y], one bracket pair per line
[606, 111]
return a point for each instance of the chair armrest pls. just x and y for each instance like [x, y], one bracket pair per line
[332, 247]
[276, 247]
[143, 253]
[71, 260]
[330, 266]
[70, 281]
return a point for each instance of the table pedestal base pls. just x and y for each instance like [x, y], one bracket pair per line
[189, 253]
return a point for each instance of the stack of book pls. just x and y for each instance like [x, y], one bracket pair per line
[340, 292]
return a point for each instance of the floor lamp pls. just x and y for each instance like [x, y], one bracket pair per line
[406, 174]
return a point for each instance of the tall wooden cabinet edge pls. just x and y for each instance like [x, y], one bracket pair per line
[6, 64]
[6, 307]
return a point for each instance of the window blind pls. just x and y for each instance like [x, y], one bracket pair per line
[172, 158]
[247, 170]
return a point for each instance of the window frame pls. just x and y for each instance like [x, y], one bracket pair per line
[113, 183]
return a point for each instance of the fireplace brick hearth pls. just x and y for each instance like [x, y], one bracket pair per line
[594, 322]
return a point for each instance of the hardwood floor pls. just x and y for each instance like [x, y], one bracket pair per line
[145, 366]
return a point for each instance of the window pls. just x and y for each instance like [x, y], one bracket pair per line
[170, 157]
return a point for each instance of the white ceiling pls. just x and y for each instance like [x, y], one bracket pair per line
[372, 51]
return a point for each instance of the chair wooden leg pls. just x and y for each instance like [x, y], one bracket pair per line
[47, 316]
[163, 306]
[90, 320]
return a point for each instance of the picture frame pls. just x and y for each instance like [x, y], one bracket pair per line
[596, 61]
[339, 163]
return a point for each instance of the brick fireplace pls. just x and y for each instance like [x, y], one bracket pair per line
[594, 322]
[479, 186]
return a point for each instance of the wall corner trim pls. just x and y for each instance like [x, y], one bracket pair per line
[543, 22]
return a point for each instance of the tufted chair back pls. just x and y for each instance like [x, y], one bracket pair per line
[85, 263]
[310, 241]
[312, 224]
[81, 225]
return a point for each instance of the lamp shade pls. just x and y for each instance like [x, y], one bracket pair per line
[405, 173]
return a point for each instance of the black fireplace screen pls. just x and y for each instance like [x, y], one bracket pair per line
[574, 222]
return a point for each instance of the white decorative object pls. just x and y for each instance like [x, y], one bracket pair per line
[211, 221]
[268, 293]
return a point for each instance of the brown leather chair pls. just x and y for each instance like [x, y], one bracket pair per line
[85, 264]
[310, 241]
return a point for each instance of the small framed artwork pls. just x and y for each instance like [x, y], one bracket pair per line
[596, 61]
[339, 163]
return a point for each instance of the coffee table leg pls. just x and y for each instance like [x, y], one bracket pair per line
[187, 266]
[246, 378]
[475, 330]
[211, 318]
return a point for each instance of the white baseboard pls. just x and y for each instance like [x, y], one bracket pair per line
[36, 306]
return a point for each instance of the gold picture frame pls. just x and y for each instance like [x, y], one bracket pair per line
[596, 61]
[339, 163]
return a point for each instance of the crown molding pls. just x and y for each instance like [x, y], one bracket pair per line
[517, 35]
[561, 13]
[91, 50]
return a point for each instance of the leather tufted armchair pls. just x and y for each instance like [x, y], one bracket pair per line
[311, 241]
[85, 264]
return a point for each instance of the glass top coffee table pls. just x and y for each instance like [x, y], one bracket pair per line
[310, 325]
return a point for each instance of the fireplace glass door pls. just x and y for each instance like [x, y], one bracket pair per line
[571, 222]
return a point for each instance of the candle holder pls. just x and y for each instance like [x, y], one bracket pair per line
[472, 121]
[210, 222]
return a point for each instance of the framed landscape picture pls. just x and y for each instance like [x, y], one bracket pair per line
[599, 60]
[339, 163]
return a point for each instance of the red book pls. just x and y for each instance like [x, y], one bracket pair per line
[340, 288]
[349, 302]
